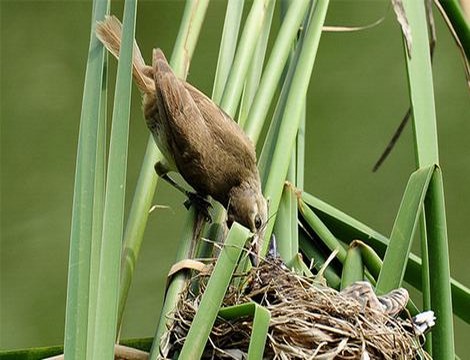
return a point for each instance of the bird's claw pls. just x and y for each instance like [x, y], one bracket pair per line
[201, 204]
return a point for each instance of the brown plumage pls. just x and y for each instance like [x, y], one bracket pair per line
[391, 303]
[197, 138]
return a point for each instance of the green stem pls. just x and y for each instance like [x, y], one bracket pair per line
[425, 135]
[184, 47]
[177, 283]
[353, 267]
[441, 301]
[456, 16]
[228, 45]
[108, 282]
[318, 258]
[426, 287]
[322, 231]
[100, 191]
[241, 62]
[213, 295]
[84, 197]
[292, 112]
[256, 66]
[273, 71]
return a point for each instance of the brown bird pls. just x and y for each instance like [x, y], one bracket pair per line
[197, 138]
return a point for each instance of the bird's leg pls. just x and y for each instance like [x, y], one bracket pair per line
[162, 171]
[199, 201]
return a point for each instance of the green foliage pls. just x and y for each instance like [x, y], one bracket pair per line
[261, 317]
[88, 198]
[184, 47]
[398, 250]
[353, 268]
[214, 294]
[105, 300]
[435, 243]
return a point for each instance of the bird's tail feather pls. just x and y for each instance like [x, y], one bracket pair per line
[109, 32]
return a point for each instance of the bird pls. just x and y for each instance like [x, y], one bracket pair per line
[390, 304]
[196, 137]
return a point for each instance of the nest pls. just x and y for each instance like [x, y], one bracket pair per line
[308, 321]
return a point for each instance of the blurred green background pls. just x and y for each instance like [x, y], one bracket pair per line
[357, 97]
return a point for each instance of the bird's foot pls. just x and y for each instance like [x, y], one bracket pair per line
[200, 202]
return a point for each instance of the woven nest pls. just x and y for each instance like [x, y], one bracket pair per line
[308, 321]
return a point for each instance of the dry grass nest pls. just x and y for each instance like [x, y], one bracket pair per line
[308, 321]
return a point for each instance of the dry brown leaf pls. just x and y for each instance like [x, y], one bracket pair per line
[399, 10]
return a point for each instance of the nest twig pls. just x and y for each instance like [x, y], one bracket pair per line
[308, 321]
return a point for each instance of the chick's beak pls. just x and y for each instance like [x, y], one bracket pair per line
[254, 250]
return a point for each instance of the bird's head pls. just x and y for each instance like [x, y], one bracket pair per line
[248, 207]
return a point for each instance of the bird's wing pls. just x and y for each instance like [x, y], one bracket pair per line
[223, 128]
[181, 118]
[210, 150]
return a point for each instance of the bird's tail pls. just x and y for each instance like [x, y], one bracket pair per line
[109, 32]
[159, 62]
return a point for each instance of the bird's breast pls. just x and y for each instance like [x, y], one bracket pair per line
[160, 136]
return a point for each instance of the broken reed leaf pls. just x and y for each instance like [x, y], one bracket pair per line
[345, 28]
[403, 21]
[391, 144]
[431, 27]
[339, 28]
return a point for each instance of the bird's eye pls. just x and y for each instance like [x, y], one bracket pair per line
[258, 222]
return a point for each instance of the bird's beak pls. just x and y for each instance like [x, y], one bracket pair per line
[254, 250]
